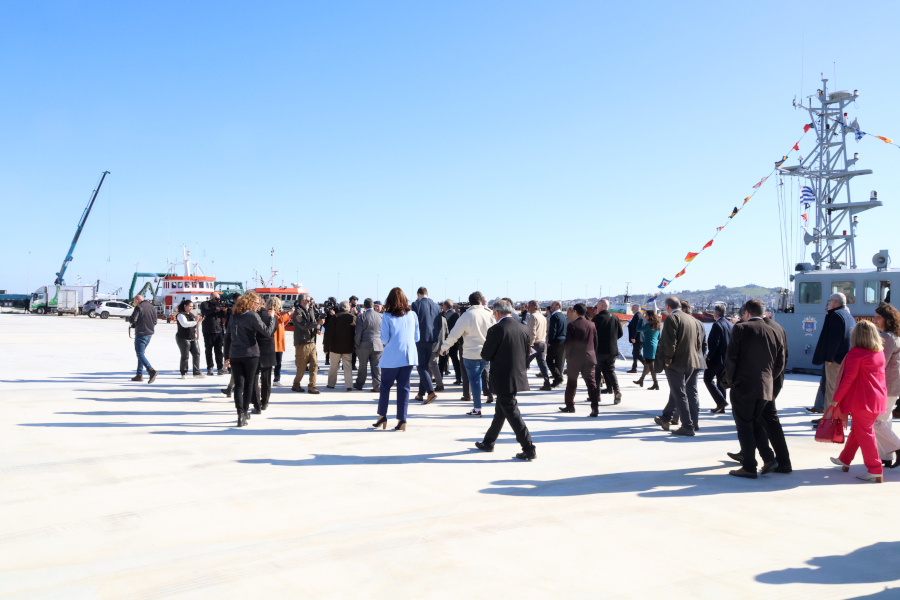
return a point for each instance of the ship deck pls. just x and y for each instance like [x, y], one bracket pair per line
[114, 489]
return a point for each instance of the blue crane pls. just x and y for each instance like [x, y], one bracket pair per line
[60, 277]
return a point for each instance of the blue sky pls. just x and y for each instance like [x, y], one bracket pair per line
[532, 145]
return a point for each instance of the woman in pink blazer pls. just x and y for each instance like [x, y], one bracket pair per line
[861, 392]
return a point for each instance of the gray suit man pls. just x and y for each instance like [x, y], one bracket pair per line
[368, 345]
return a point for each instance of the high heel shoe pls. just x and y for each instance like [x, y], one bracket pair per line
[401, 426]
[655, 386]
[640, 382]
[382, 421]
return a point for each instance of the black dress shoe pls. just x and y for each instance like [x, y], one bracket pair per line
[783, 469]
[556, 383]
[684, 431]
[439, 388]
[815, 421]
[768, 467]
[257, 410]
[815, 411]
[742, 473]
[546, 387]
[567, 409]
[484, 447]
[490, 399]
[662, 423]
[529, 454]
[457, 382]
[717, 410]
[594, 413]
[735, 456]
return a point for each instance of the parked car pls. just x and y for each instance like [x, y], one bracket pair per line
[90, 305]
[112, 308]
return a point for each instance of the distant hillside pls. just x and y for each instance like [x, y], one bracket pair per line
[750, 289]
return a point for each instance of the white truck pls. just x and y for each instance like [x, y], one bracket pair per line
[60, 299]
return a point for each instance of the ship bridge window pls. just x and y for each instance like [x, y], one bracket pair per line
[878, 292]
[810, 292]
[848, 288]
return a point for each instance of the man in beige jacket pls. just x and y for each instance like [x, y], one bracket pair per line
[472, 327]
[536, 323]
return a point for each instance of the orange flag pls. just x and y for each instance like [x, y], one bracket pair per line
[884, 139]
[681, 273]
[747, 199]
[691, 256]
[708, 244]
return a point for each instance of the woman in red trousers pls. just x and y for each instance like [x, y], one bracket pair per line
[861, 392]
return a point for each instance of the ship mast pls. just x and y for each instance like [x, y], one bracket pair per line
[827, 169]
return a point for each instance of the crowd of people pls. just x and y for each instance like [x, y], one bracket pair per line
[491, 349]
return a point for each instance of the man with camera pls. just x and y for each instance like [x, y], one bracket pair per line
[213, 312]
[306, 323]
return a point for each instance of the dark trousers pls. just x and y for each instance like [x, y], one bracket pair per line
[188, 349]
[637, 350]
[751, 432]
[775, 433]
[485, 382]
[265, 386]
[443, 362]
[213, 342]
[278, 356]
[606, 366]
[556, 355]
[716, 388]
[587, 373]
[388, 376]
[244, 371]
[458, 370]
[424, 351]
[540, 353]
[507, 410]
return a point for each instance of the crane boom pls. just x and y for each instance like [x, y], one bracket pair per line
[60, 277]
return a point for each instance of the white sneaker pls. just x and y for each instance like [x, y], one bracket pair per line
[278, 384]
[871, 477]
[184, 376]
[474, 413]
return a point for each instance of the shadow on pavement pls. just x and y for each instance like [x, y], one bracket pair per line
[877, 563]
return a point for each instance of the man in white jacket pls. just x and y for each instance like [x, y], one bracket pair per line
[472, 327]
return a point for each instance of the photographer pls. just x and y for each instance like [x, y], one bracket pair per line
[213, 312]
[186, 337]
[306, 323]
[327, 312]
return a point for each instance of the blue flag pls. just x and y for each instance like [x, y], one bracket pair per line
[664, 283]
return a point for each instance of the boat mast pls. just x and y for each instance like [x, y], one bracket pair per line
[827, 169]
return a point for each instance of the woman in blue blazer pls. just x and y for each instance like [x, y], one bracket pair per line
[399, 333]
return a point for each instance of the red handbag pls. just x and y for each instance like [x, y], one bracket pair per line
[829, 429]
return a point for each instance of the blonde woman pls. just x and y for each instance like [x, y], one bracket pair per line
[283, 319]
[861, 392]
[242, 351]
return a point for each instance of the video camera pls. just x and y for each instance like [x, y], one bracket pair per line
[328, 305]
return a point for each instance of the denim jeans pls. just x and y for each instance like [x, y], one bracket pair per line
[140, 345]
[474, 367]
[400, 375]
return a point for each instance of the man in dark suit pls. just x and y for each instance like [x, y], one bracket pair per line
[430, 324]
[755, 358]
[770, 420]
[556, 342]
[506, 348]
[719, 338]
[581, 359]
[453, 355]
[636, 337]
[609, 330]
[834, 343]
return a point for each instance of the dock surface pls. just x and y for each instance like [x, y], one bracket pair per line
[115, 489]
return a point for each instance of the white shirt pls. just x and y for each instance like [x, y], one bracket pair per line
[183, 321]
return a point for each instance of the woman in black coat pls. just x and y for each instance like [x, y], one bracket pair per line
[267, 356]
